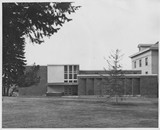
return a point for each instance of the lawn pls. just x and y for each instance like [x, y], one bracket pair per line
[78, 112]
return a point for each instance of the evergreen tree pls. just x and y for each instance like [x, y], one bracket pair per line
[113, 83]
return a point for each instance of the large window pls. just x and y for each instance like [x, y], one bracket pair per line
[65, 73]
[140, 63]
[146, 61]
[70, 73]
[134, 64]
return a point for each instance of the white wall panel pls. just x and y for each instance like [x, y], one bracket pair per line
[55, 73]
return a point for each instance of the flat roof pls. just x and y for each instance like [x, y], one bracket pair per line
[61, 64]
[63, 83]
[106, 70]
[98, 75]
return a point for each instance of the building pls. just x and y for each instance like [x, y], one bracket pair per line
[62, 79]
[146, 59]
[134, 84]
[59, 80]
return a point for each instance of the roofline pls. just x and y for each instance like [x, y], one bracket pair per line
[36, 65]
[107, 70]
[62, 83]
[61, 64]
[125, 75]
[138, 53]
[150, 47]
[145, 45]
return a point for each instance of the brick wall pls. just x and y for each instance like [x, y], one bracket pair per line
[97, 85]
[90, 86]
[149, 86]
[81, 86]
[136, 86]
[133, 85]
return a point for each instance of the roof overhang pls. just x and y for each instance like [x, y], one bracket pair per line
[139, 53]
[64, 84]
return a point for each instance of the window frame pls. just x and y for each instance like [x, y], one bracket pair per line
[146, 61]
[70, 76]
[140, 63]
[134, 64]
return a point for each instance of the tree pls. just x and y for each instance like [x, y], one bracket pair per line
[30, 76]
[114, 81]
[32, 20]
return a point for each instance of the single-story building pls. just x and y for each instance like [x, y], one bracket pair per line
[70, 80]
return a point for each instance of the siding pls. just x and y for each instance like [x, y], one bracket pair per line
[55, 74]
[143, 68]
[155, 63]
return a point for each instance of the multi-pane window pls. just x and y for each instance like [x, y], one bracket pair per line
[65, 68]
[70, 73]
[65, 76]
[70, 69]
[134, 64]
[75, 76]
[65, 73]
[140, 63]
[146, 61]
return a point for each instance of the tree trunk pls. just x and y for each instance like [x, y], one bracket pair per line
[7, 94]
[3, 91]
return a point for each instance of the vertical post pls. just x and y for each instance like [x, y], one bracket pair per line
[93, 86]
[125, 86]
[67, 73]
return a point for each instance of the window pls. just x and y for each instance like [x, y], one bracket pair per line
[75, 81]
[70, 76]
[140, 63]
[146, 72]
[65, 76]
[65, 69]
[134, 64]
[70, 73]
[146, 61]
[75, 69]
[70, 69]
[75, 76]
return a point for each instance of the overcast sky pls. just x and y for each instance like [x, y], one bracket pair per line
[98, 27]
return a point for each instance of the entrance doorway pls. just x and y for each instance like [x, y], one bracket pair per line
[71, 90]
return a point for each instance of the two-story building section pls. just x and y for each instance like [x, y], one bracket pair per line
[62, 79]
[146, 59]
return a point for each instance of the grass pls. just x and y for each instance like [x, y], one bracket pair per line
[81, 112]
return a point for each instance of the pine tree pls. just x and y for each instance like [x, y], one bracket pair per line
[114, 81]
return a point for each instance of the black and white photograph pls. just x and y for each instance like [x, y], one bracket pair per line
[80, 63]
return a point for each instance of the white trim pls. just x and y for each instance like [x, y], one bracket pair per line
[138, 53]
[95, 75]
[61, 64]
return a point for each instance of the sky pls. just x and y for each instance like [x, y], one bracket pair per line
[97, 28]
